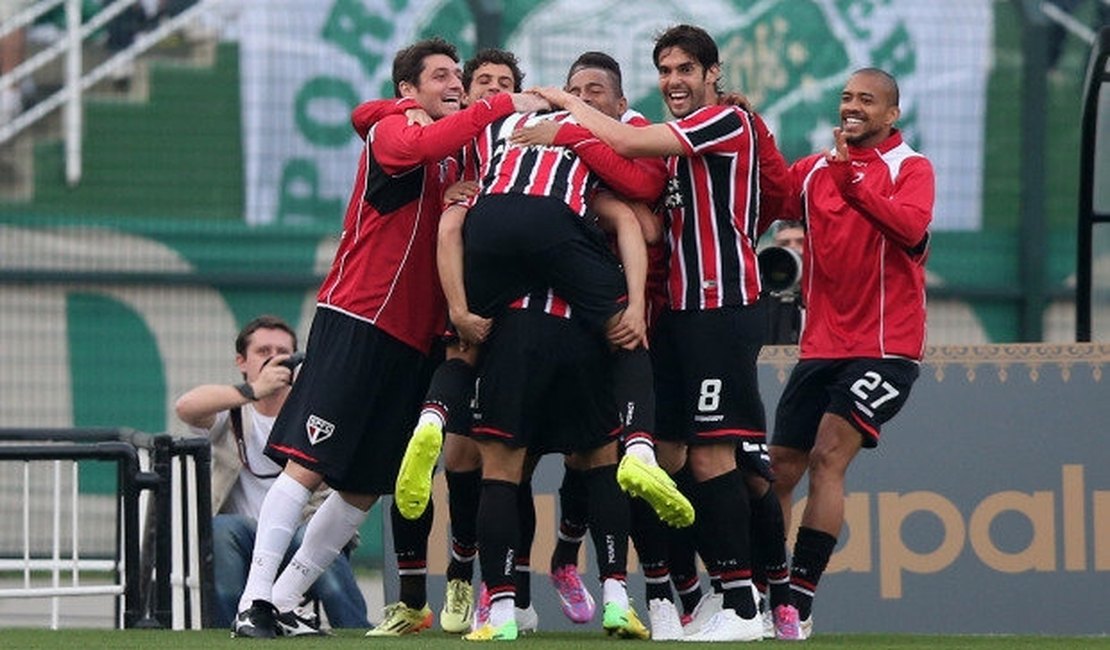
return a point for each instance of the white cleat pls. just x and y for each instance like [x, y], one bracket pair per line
[726, 625]
[663, 617]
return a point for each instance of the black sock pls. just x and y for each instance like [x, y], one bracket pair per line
[452, 388]
[410, 545]
[723, 511]
[463, 491]
[498, 536]
[526, 512]
[572, 518]
[609, 520]
[651, 537]
[769, 549]
[634, 391]
[812, 550]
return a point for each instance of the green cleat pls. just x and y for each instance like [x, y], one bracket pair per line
[413, 489]
[487, 632]
[458, 607]
[400, 619]
[652, 484]
[621, 622]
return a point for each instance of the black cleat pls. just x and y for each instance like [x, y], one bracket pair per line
[298, 622]
[256, 622]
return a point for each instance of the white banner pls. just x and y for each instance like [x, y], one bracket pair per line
[306, 63]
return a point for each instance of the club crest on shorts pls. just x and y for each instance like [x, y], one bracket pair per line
[318, 429]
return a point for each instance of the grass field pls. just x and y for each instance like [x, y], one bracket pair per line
[214, 640]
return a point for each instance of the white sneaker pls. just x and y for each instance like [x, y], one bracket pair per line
[665, 624]
[805, 627]
[763, 605]
[726, 625]
[711, 602]
[527, 620]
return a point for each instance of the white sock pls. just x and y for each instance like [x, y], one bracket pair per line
[501, 611]
[329, 530]
[279, 517]
[614, 591]
[643, 450]
[433, 416]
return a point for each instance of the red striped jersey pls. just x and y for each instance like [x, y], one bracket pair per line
[712, 206]
[558, 171]
[863, 273]
[384, 271]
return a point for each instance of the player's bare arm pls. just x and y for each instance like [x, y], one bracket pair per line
[615, 216]
[626, 140]
[472, 328]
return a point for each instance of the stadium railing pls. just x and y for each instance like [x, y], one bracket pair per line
[159, 557]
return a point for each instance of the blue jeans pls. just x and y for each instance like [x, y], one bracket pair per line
[232, 545]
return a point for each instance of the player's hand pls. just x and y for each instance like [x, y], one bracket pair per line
[460, 192]
[541, 133]
[735, 99]
[418, 116]
[840, 153]
[472, 328]
[529, 102]
[557, 97]
[630, 330]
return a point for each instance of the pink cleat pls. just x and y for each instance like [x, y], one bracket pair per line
[576, 600]
[787, 625]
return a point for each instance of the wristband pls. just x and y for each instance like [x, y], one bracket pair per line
[246, 391]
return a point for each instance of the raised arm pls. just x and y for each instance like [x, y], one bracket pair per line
[198, 407]
[905, 215]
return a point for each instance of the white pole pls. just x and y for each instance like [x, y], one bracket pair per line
[73, 88]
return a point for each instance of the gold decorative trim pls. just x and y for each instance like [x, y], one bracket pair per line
[1002, 359]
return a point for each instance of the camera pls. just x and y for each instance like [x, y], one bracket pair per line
[780, 269]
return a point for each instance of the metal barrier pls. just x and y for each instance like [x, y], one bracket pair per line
[161, 564]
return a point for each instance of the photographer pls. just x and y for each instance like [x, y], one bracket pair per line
[238, 419]
[780, 267]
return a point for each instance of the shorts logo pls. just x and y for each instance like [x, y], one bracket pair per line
[318, 429]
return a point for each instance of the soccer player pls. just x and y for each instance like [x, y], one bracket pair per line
[446, 407]
[868, 204]
[721, 160]
[347, 418]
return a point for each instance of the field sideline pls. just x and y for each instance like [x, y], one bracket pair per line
[19, 638]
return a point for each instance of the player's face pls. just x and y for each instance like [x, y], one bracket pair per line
[263, 344]
[490, 79]
[867, 110]
[596, 88]
[793, 238]
[683, 81]
[440, 90]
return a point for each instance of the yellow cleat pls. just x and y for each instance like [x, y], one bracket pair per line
[458, 607]
[507, 632]
[400, 619]
[652, 484]
[623, 623]
[414, 480]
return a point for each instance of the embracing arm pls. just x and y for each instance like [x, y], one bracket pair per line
[616, 217]
[449, 258]
[626, 140]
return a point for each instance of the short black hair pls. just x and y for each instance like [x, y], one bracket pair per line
[409, 62]
[887, 78]
[264, 322]
[598, 61]
[495, 56]
[691, 39]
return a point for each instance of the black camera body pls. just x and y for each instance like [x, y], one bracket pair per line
[780, 270]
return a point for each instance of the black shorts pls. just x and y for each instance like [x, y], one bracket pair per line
[353, 406]
[545, 384]
[865, 392]
[517, 244]
[706, 385]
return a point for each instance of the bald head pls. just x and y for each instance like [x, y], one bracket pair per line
[885, 80]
